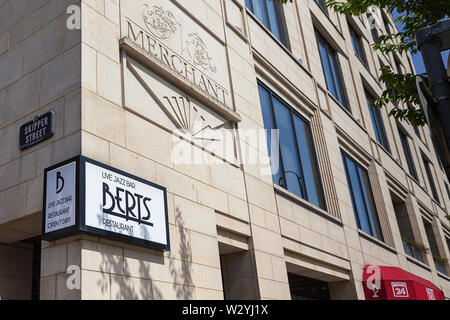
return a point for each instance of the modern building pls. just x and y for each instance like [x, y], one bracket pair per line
[246, 161]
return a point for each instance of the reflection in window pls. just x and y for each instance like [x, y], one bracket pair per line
[299, 171]
[408, 155]
[358, 45]
[406, 232]
[331, 70]
[398, 66]
[362, 198]
[323, 4]
[270, 13]
[439, 263]
[387, 26]
[373, 27]
[428, 170]
[377, 122]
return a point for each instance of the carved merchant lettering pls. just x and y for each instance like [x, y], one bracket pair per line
[179, 64]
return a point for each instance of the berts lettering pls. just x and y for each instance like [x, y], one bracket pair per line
[130, 205]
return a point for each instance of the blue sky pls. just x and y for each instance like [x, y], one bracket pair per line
[417, 58]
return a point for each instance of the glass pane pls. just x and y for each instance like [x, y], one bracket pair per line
[416, 253]
[273, 19]
[387, 27]
[366, 202]
[358, 45]
[354, 41]
[374, 123]
[440, 266]
[308, 162]
[370, 205]
[375, 35]
[248, 4]
[384, 141]
[326, 66]
[407, 152]
[377, 123]
[323, 5]
[430, 179]
[336, 76]
[407, 248]
[288, 147]
[359, 207]
[269, 123]
[259, 9]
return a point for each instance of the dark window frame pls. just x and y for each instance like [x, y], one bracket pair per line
[314, 161]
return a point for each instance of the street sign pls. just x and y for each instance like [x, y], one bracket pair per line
[36, 130]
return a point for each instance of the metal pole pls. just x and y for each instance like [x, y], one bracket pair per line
[430, 45]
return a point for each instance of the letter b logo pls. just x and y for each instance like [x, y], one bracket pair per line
[58, 179]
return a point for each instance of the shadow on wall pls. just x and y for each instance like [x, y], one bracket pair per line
[172, 281]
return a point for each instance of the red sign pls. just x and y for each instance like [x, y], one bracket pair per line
[392, 283]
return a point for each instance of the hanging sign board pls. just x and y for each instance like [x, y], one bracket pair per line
[97, 199]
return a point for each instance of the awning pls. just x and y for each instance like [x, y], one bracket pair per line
[392, 283]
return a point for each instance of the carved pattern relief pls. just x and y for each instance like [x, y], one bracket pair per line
[162, 24]
[190, 119]
[198, 52]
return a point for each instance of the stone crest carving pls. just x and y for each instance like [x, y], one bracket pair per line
[161, 23]
[198, 52]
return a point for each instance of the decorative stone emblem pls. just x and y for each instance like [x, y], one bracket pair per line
[198, 52]
[162, 24]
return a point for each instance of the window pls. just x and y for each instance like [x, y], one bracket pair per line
[373, 27]
[411, 68]
[398, 66]
[428, 170]
[438, 261]
[408, 156]
[299, 171]
[448, 194]
[387, 26]
[270, 13]
[304, 288]
[331, 70]
[358, 45]
[417, 132]
[382, 65]
[362, 198]
[323, 5]
[411, 248]
[377, 123]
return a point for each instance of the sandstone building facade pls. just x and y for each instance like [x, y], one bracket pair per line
[126, 80]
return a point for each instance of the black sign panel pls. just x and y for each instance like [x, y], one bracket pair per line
[37, 130]
[82, 195]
